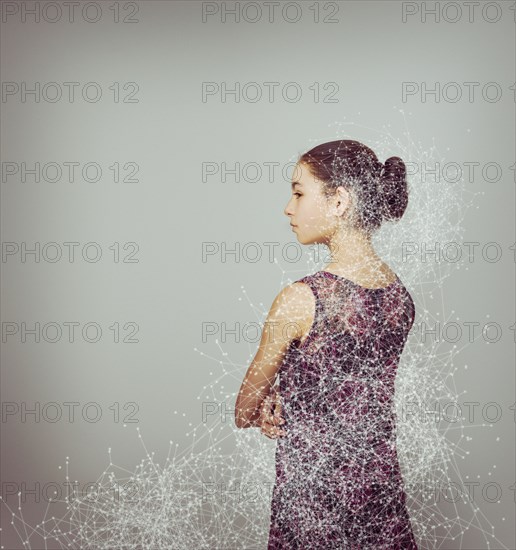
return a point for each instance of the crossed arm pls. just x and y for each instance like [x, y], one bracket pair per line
[285, 322]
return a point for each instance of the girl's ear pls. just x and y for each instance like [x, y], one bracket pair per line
[343, 200]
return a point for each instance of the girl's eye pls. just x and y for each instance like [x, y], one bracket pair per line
[298, 194]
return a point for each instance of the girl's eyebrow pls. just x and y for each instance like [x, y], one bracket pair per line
[295, 183]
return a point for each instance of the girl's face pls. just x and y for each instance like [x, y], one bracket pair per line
[313, 216]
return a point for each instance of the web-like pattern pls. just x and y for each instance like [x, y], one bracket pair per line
[208, 496]
[338, 481]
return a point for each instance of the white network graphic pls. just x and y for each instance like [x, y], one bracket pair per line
[201, 498]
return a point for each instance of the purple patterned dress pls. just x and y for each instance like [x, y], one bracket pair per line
[338, 480]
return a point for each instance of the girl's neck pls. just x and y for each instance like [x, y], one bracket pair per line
[352, 251]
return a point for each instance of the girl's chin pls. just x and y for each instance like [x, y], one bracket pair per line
[302, 240]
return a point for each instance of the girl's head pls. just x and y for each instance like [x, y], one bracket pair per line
[343, 184]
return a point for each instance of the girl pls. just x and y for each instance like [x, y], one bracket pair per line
[334, 339]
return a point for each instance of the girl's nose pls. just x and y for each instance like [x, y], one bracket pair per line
[287, 210]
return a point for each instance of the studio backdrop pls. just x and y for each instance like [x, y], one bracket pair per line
[147, 155]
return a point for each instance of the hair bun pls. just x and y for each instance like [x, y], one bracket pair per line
[379, 190]
[393, 188]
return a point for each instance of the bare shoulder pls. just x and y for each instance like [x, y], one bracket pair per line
[381, 278]
[295, 305]
[387, 274]
[296, 296]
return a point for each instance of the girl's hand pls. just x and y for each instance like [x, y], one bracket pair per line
[270, 416]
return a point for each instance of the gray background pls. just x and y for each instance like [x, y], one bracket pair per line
[170, 292]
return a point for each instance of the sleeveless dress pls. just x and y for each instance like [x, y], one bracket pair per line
[338, 481]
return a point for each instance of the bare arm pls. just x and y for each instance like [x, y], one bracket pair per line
[285, 322]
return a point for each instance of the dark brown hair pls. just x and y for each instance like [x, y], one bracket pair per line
[380, 191]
